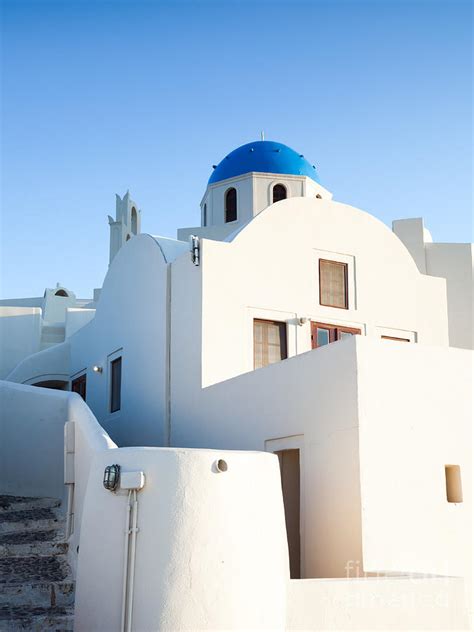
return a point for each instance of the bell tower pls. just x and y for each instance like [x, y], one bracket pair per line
[126, 225]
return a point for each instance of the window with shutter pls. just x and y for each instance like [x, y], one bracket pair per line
[269, 342]
[333, 284]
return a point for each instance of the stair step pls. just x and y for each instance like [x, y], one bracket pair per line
[29, 524]
[44, 594]
[36, 513]
[36, 586]
[41, 568]
[32, 536]
[36, 619]
[12, 503]
[48, 547]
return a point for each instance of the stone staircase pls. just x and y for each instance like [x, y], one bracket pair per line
[36, 586]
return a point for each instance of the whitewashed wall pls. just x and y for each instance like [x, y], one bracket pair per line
[20, 333]
[399, 440]
[454, 262]
[418, 421]
[211, 548]
[270, 270]
[386, 603]
[31, 440]
[130, 321]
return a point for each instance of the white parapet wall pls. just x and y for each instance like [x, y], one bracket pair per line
[377, 603]
[31, 440]
[211, 547]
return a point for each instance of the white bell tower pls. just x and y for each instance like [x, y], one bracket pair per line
[126, 225]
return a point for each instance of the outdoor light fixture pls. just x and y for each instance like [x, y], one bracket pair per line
[302, 320]
[97, 369]
[111, 477]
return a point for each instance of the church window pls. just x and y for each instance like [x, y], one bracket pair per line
[269, 342]
[204, 215]
[279, 193]
[61, 293]
[333, 284]
[115, 384]
[79, 384]
[134, 222]
[231, 205]
[324, 333]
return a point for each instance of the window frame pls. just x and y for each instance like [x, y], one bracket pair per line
[111, 359]
[334, 331]
[80, 378]
[283, 326]
[395, 338]
[226, 211]
[345, 266]
[279, 184]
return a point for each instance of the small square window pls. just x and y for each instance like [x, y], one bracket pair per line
[333, 284]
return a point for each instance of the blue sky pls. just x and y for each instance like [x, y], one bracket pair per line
[100, 97]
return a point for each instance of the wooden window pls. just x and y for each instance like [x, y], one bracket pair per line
[395, 338]
[279, 193]
[115, 384]
[323, 333]
[231, 205]
[269, 342]
[78, 385]
[333, 284]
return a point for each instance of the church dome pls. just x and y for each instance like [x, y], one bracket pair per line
[264, 156]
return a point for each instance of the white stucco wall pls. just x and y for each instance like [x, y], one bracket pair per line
[419, 421]
[455, 262]
[77, 318]
[326, 399]
[312, 397]
[49, 364]
[211, 547]
[20, 332]
[254, 194]
[130, 321]
[31, 440]
[384, 603]
[270, 270]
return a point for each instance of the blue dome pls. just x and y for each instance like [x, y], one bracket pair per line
[264, 156]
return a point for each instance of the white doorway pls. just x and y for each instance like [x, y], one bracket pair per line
[289, 452]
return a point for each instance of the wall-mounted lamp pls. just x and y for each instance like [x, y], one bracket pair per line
[302, 320]
[111, 478]
[97, 369]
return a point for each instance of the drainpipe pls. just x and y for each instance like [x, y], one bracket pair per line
[133, 482]
[69, 478]
[168, 359]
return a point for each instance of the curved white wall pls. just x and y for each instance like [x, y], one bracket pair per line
[130, 320]
[270, 270]
[211, 547]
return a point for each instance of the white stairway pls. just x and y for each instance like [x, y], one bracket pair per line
[36, 586]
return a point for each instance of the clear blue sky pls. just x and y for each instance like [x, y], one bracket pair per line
[100, 96]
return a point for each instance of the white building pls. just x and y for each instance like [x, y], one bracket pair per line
[285, 323]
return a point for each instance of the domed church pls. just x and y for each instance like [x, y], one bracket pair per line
[248, 180]
[282, 393]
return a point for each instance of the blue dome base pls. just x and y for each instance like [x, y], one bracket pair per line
[263, 156]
